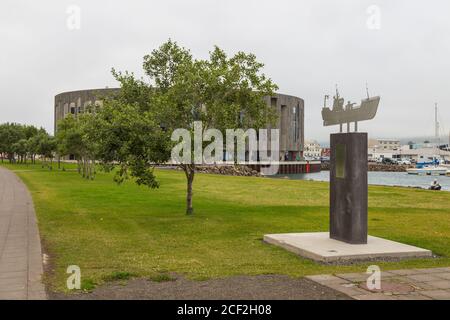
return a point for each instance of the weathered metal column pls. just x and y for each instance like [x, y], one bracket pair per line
[348, 187]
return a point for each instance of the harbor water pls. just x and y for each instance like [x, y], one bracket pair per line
[381, 178]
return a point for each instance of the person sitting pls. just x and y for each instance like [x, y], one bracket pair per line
[435, 186]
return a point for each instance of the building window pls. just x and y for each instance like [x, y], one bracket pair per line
[295, 124]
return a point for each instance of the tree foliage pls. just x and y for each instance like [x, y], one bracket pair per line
[130, 139]
[223, 92]
[77, 136]
[20, 143]
[131, 133]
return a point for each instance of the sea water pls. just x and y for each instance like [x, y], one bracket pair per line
[381, 178]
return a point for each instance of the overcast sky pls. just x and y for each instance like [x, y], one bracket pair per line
[307, 47]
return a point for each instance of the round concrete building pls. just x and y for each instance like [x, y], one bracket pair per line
[75, 102]
[290, 110]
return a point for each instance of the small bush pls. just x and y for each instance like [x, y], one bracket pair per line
[120, 275]
[162, 277]
[88, 285]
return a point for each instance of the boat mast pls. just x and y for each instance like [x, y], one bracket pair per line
[337, 99]
[367, 90]
[436, 128]
[436, 123]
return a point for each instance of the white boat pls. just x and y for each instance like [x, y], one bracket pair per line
[429, 171]
[446, 166]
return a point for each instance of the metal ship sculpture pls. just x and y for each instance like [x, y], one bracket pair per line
[340, 114]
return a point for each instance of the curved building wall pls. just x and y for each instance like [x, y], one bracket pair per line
[75, 102]
[291, 118]
[290, 109]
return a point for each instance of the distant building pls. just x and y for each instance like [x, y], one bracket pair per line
[376, 153]
[75, 102]
[290, 109]
[312, 150]
[423, 145]
[326, 152]
[383, 148]
[384, 144]
[422, 154]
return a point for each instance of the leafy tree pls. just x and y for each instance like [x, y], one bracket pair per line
[20, 148]
[10, 134]
[46, 148]
[21, 141]
[3, 141]
[223, 92]
[32, 131]
[131, 140]
[75, 137]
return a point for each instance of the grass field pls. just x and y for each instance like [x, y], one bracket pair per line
[113, 231]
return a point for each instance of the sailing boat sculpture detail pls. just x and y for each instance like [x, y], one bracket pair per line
[339, 114]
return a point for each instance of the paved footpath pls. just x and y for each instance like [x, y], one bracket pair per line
[20, 248]
[409, 284]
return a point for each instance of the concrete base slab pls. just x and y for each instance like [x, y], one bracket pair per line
[319, 247]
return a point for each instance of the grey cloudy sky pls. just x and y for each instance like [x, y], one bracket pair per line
[307, 47]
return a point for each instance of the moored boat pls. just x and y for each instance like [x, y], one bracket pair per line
[429, 171]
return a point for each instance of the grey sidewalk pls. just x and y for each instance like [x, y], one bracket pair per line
[408, 284]
[20, 248]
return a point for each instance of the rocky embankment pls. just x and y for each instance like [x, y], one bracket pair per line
[378, 167]
[228, 170]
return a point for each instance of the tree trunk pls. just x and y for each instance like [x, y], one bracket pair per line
[190, 172]
[92, 169]
[84, 168]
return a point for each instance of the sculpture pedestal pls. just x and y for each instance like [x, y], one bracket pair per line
[348, 187]
[319, 247]
[348, 240]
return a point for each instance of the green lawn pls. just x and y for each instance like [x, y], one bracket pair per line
[110, 230]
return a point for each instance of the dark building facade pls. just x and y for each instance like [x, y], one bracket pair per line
[291, 117]
[75, 102]
[290, 110]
